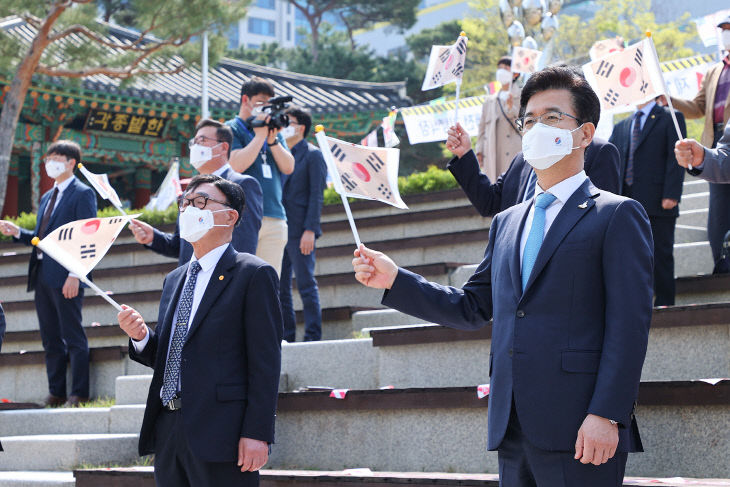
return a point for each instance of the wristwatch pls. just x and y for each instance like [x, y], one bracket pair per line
[612, 421]
[272, 144]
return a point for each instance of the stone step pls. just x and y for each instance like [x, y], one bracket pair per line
[693, 218]
[394, 430]
[66, 451]
[691, 259]
[693, 184]
[359, 477]
[56, 421]
[23, 375]
[684, 342]
[693, 201]
[37, 479]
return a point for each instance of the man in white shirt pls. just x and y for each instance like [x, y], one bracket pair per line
[566, 278]
[216, 351]
[58, 294]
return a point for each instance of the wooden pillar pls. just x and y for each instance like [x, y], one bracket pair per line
[10, 207]
[142, 183]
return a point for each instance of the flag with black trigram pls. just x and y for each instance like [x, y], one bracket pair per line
[525, 60]
[80, 245]
[625, 78]
[363, 172]
[446, 64]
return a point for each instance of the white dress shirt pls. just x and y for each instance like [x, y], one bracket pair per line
[562, 192]
[218, 172]
[207, 265]
[61, 188]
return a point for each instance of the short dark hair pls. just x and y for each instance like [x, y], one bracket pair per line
[303, 117]
[585, 101]
[235, 197]
[222, 131]
[505, 60]
[66, 148]
[256, 86]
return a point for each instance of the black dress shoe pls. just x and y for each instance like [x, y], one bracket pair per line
[76, 401]
[54, 401]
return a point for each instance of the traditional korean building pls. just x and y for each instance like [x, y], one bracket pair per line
[132, 130]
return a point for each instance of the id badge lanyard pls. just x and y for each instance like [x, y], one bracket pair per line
[265, 167]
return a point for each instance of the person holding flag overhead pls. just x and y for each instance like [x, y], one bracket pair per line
[58, 294]
[713, 103]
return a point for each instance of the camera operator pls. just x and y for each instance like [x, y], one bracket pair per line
[261, 152]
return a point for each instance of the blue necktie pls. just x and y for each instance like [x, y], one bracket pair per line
[635, 134]
[172, 367]
[531, 183]
[534, 239]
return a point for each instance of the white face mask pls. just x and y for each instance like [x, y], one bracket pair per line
[200, 154]
[725, 36]
[504, 76]
[288, 132]
[55, 168]
[194, 223]
[543, 145]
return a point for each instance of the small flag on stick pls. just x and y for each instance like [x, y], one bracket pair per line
[100, 182]
[525, 60]
[361, 172]
[446, 64]
[389, 136]
[371, 139]
[79, 245]
[169, 190]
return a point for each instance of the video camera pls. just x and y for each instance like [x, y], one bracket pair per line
[275, 112]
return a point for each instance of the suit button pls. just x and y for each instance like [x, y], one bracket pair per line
[510, 352]
[520, 313]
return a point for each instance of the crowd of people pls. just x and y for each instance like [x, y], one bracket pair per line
[580, 250]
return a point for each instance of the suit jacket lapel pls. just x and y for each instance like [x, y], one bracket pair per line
[215, 287]
[164, 328]
[648, 124]
[516, 230]
[572, 211]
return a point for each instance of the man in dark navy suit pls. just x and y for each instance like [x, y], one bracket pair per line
[567, 280]
[58, 294]
[218, 138]
[651, 176]
[302, 196]
[216, 351]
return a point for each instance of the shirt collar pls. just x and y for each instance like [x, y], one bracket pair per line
[221, 170]
[565, 188]
[648, 108]
[209, 260]
[301, 145]
[62, 187]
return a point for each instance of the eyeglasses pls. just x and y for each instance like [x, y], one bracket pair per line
[200, 139]
[551, 118]
[199, 201]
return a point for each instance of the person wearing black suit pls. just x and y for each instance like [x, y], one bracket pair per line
[218, 137]
[651, 175]
[566, 278]
[302, 197]
[216, 351]
[511, 187]
[58, 294]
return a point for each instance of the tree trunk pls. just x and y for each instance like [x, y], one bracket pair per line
[14, 98]
[315, 39]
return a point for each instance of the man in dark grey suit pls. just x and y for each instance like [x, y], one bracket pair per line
[216, 351]
[215, 138]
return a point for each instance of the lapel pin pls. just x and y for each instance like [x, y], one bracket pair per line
[220, 278]
[653, 116]
[583, 205]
